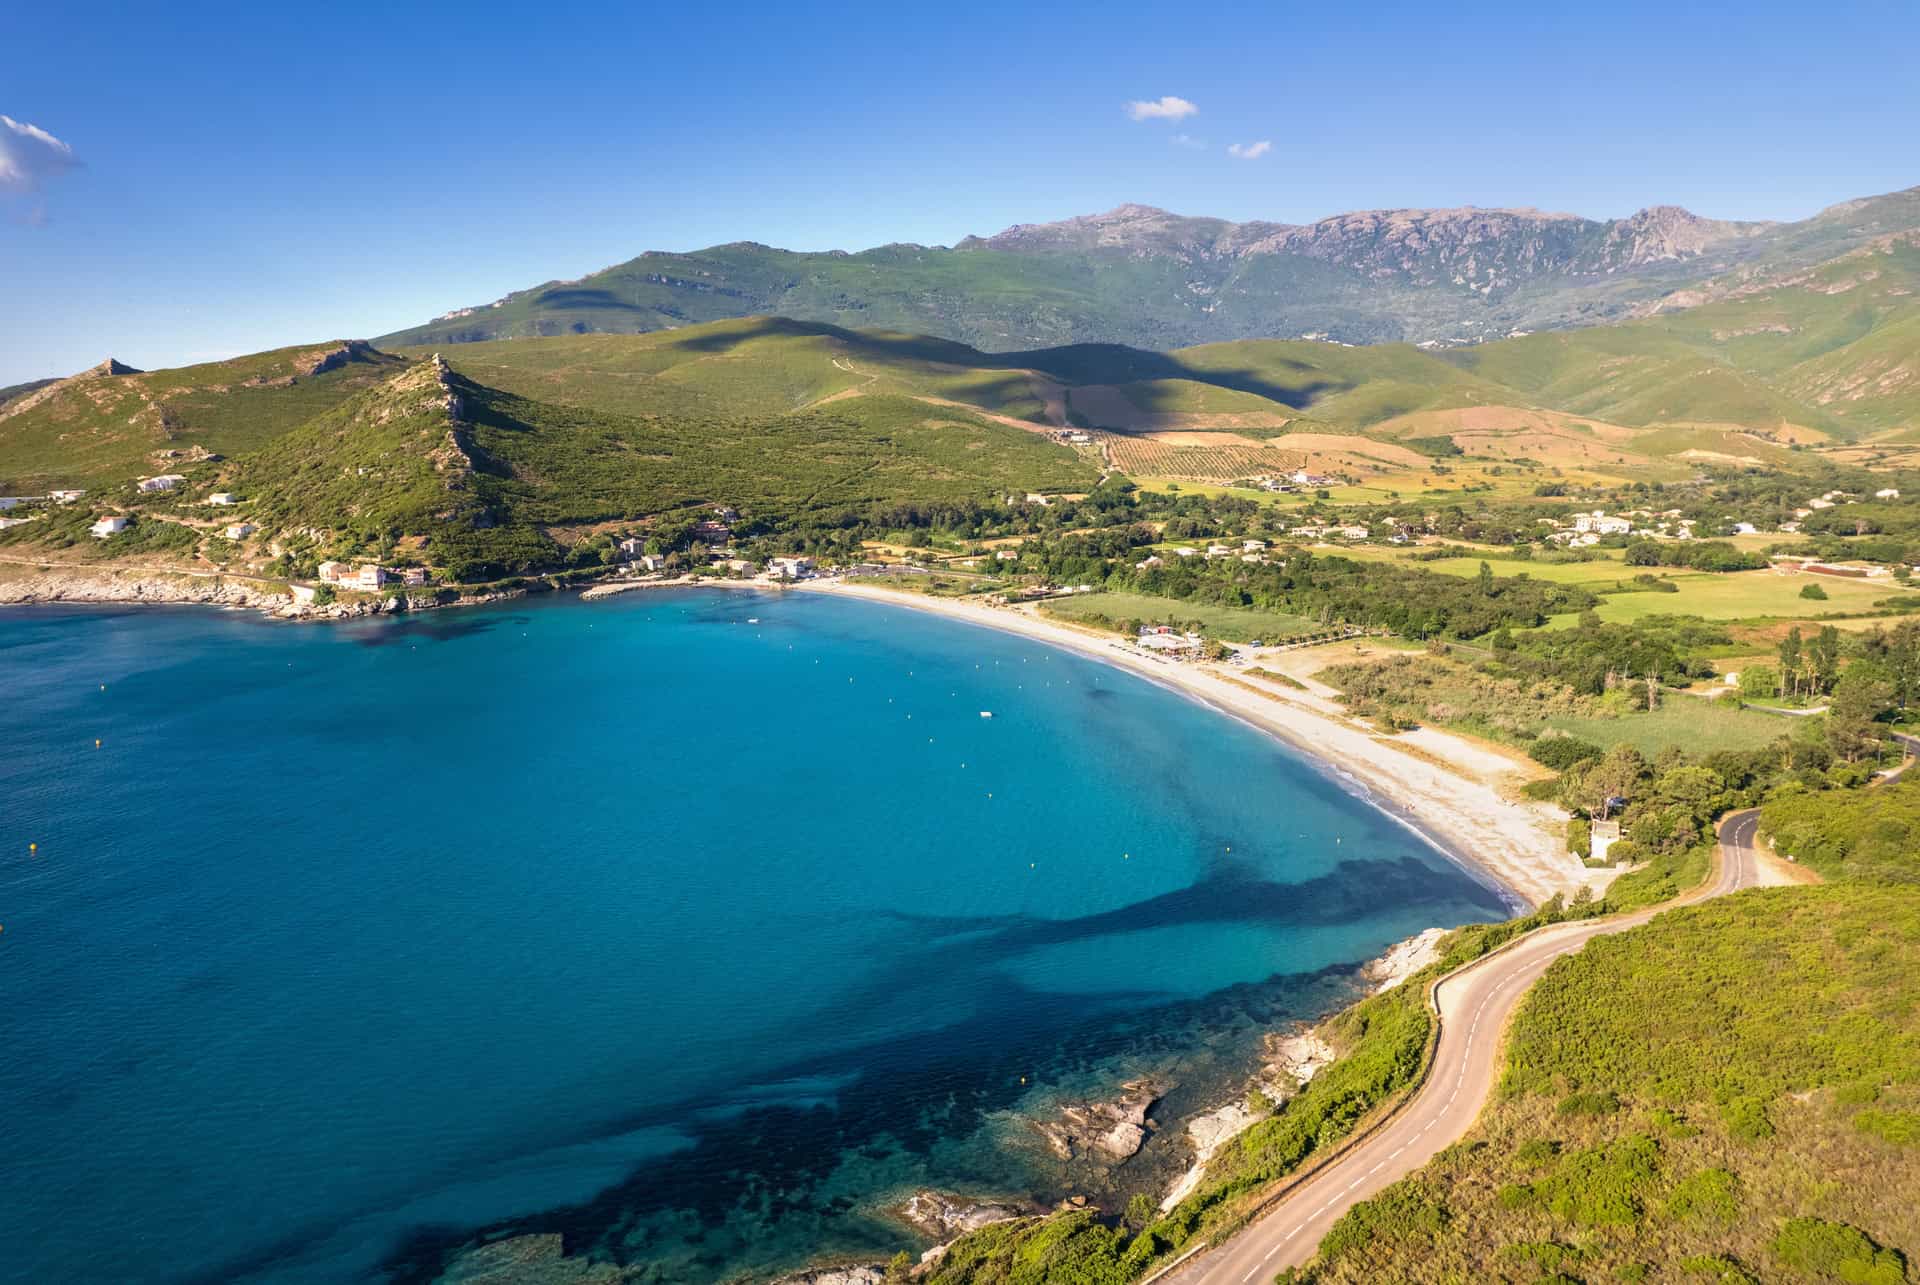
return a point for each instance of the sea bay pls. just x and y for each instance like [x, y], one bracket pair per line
[699, 925]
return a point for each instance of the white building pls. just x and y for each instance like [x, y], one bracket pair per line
[632, 547]
[106, 527]
[1745, 528]
[165, 482]
[241, 530]
[1887, 493]
[789, 568]
[222, 498]
[65, 497]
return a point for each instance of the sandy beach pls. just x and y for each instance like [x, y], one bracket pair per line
[1460, 793]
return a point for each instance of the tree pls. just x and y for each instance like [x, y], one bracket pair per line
[1759, 683]
[1790, 649]
[1814, 592]
[1486, 581]
[1860, 697]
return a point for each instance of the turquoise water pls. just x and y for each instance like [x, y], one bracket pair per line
[695, 938]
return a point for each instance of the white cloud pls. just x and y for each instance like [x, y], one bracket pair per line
[29, 156]
[1167, 108]
[1249, 151]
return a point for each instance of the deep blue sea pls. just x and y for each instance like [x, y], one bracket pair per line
[697, 939]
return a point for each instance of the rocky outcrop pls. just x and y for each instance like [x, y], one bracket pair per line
[943, 1215]
[863, 1274]
[1290, 1060]
[1111, 1130]
[309, 364]
[1403, 960]
[53, 388]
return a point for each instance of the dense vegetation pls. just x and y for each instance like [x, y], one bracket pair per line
[1663, 1115]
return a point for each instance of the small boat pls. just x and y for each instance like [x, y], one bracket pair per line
[753, 620]
[986, 713]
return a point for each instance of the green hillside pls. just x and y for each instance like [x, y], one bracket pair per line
[1151, 279]
[484, 481]
[103, 426]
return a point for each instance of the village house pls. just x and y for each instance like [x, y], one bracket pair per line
[413, 575]
[651, 562]
[1006, 555]
[1218, 551]
[1151, 560]
[66, 496]
[241, 530]
[1252, 546]
[713, 532]
[222, 498]
[1166, 641]
[632, 547]
[106, 527]
[725, 512]
[1034, 497]
[165, 482]
[1185, 551]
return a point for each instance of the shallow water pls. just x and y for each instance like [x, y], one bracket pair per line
[698, 939]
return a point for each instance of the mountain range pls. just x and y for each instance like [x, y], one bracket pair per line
[1150, 279]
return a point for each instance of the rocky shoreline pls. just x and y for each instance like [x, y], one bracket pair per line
[236, 593]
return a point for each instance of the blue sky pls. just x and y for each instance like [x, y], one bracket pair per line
[241, 179]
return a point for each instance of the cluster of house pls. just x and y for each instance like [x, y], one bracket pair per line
[1167, 641]
[1585, 529]
[1249, 551]
[1348, 531]
[1299, 479]
[368, 576]
[11, 502]
[1072, 437]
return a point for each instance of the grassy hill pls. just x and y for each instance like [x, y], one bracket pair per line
[111, 423]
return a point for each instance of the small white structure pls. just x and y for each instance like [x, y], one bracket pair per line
[1745, 528]
[632, 547]
[165, 482]
[1006, 555]
[1034, 497]
[1151, 560]
[106, 527]
[1184, 551]
[241, 530]
[1605, 835]
[1887, 493]
[222, 498]
[413, 575]
[302, 594]
[1252, 546]
[67, 496]
[651, 562]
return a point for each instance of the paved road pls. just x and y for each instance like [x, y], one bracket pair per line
[1475, 1004]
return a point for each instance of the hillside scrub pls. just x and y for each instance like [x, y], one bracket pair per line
[1748, 1126]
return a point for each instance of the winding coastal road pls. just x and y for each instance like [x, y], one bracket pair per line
[1475, 1003]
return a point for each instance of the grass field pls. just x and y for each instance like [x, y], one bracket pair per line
[1745, 595]
[1698, 725]
[1229, 624]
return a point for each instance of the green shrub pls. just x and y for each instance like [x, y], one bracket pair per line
[1837, 1252]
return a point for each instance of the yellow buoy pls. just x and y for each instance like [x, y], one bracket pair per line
[33, 847]
[96, 742]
